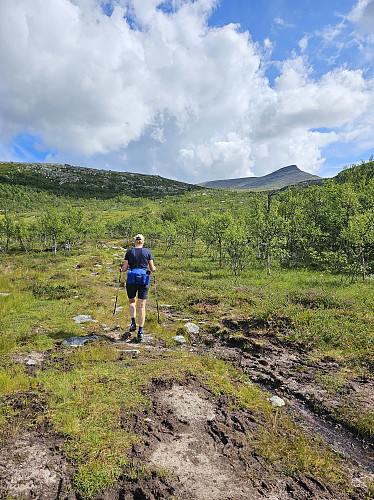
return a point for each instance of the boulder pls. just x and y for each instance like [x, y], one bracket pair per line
[276, 401]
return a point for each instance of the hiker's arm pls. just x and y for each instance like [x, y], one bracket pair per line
[152, 267]
[125, 266]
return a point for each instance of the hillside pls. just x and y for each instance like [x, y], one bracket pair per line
[360, 175]
[283, 177]
[84, 182]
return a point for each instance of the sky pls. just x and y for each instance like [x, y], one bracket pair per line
[192, 90]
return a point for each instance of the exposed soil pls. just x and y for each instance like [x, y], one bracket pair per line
[195, 446]
[203, 447]
[31, 460]
[287, 369]
[31, 466]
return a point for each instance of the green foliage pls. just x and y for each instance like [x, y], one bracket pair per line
[316, 242]
[48, 291]
[14, 379]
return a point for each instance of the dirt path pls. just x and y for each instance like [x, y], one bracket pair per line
[198, 444]
[202, 448]
[191, 452]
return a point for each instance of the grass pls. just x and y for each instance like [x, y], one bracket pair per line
[90, 402]
[284, 445]
[14, 379]
[92, 394]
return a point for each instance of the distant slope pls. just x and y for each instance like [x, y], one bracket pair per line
[87, 182]
[360, 174]
[281, 178]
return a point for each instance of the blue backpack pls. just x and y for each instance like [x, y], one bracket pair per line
[138, 277]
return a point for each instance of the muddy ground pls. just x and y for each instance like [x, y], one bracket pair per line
[316, 391]
[196, 443]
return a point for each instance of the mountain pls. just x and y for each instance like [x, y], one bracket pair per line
[84, 182]
[281, 178]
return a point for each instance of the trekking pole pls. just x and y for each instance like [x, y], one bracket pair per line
[119, 283]
[158, 314]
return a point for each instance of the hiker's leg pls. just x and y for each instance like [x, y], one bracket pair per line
[141, 311]
[132, 307]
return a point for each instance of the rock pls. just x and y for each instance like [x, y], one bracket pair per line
[166, 305]
[81, 318]
[276, 401]
[192, 328]
[31, 362]
[147, 339]
[78, 341]
[103, 325]
[179, 339]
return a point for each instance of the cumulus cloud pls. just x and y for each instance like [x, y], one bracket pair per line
[140, 87]
[363, 15]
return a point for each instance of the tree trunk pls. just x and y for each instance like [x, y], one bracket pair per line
[363, 267]
[268, 260]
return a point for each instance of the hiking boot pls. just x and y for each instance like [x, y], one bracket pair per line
[139, 337]
[132, 327]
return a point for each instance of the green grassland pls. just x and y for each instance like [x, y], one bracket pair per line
[297, 267]
[46, 292]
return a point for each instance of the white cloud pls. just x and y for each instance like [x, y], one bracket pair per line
[281, 22]
[145, 90]
[303, 43]
[363, 15]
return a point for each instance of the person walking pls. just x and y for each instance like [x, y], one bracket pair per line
[136, 264]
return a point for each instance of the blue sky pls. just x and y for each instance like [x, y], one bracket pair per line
[191, 90]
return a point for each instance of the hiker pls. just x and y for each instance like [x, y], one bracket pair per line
[136, 264]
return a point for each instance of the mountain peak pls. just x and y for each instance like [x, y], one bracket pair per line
[285, 176]
[289, 168]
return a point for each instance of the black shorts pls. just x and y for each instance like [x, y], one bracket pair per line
[142, 290]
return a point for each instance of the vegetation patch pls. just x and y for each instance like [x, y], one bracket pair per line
[283, 444]
[50, 292]
[315, 299]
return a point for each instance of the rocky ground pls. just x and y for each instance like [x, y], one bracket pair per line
[197, 443]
